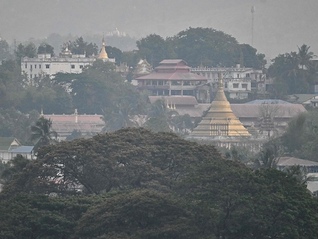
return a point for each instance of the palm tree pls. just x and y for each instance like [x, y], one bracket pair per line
[160, 117]
[304, 56]
[42, 133]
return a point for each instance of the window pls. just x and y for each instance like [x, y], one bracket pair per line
[72, 66]
[238, 75]
[39, 66]
[26, 65]
[235, 85]
[244, 86]
[34, 66]
[47, 66]
[30, 76]
[81, 66]
[247, 74]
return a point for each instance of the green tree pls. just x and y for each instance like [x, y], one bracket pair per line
[160, 118]
[14, 123]
[250, 57]
[114, 52]
[294, 72]
[235, 202]
[42, 133]
[153, 48]
[138, 214]
[11, 84]
[80, 47]
[5, 53]
[304, 56]
[207, 47]
[45, 48]
[40, 216]
[148, 160]
[301, 136]
[28, 50]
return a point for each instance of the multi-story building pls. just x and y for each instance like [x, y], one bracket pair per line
[66, 62]
[173, 77]
[239, 82]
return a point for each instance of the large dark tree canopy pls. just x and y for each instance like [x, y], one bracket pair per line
[133, 183]
[200, 47]
[206, 46]
[128, 158]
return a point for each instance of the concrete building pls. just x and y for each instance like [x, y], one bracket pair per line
[66, 62]
[239, 82]
[10, 147]
[173, 77]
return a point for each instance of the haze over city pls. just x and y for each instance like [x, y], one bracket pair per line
[279, 25]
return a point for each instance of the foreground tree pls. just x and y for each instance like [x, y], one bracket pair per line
[96, 166]
[237, 203]
[151, 185]
[138, 214]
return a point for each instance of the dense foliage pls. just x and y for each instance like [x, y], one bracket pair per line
[200, 47]
[294, 72]
[137, 184]
[301, 136]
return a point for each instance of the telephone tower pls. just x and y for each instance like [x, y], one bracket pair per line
[252, 11]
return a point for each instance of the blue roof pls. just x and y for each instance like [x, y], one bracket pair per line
[268, 101]
[22, 149]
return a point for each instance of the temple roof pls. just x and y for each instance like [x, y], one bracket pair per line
[220, 119]
[172, 69]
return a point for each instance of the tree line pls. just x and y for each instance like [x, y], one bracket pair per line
[136, 184]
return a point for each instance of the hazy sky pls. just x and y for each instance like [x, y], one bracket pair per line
[279, 25]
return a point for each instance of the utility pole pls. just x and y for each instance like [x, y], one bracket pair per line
[252, 11]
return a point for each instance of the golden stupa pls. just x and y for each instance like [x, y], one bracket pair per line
[220, 119]
[103, 54]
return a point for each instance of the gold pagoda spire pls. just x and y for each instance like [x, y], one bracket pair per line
[103, 54]
[220, 119]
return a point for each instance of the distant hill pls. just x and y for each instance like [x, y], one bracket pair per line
[279, 26]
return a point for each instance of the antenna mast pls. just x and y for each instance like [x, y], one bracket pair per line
[252, 11]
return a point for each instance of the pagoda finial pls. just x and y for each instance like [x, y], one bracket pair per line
[220, 80]
[103, 54]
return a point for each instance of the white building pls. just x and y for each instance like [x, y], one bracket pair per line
[239, 81]
[46, 65]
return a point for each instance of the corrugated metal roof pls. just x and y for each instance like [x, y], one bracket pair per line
[268, 101]
[172, 76]
[291, 161]
[22, 149]
[278, 110]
